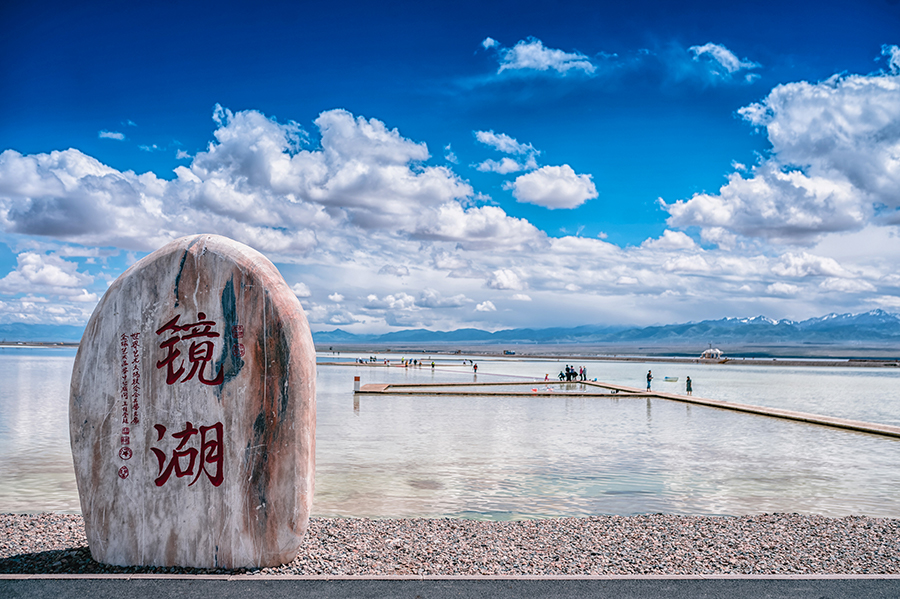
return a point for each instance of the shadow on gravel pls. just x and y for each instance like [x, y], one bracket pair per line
[78, 561]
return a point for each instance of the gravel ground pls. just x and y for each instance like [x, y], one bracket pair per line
[650, 544]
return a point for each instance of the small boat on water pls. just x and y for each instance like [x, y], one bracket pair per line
[671, 379]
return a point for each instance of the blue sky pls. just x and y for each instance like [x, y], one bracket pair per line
[465, 164]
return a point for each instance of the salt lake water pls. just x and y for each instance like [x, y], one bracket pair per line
[517, 457]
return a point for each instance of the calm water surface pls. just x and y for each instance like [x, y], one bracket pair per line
[500, 458]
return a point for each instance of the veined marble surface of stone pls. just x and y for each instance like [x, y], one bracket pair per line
[192, 412]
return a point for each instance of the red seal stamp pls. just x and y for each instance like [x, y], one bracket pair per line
[125, 453]
[123, 472]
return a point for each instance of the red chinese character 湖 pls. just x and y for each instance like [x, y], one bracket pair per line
[210, 453]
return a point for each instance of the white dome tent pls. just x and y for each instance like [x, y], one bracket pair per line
[713, 353]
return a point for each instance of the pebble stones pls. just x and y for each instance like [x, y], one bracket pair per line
[192, 412]
[652, 544]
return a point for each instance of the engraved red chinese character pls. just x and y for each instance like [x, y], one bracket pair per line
[184, 459]
[199, 355]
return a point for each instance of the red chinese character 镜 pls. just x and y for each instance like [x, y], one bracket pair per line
[199, 355]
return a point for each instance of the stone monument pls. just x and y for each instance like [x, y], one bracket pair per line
[192, 412]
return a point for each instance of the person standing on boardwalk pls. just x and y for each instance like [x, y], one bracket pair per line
[649, 378]
[689, 389]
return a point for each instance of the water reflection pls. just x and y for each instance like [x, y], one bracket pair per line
[35, 458]
[504, 457]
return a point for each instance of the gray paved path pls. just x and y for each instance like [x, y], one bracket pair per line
[460, 588]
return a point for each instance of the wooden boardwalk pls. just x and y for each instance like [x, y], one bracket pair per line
[599, 389]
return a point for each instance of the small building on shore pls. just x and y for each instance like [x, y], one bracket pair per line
[713, 353]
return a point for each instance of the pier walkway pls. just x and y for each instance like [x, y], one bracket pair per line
[599, 389]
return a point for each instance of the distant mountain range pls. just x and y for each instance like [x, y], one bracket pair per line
[877, 327]
[40, 333]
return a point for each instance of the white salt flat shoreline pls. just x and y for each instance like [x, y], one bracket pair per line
[588, 354]
[573, 357]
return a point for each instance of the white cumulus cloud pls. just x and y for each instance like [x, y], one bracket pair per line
[257, 184]
[834, 165]
[687, 264]
[85, 297]
[504, 278]
[803, 265]
[301, 290]
[553, 187]
[397, 301]
[486, 306]
[431, 298]
[785, 207]
[42, 273]
[670, 240]
[479, 228]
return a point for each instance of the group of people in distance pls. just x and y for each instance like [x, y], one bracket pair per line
[415, 363]
[403, 362]
[571, 374]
